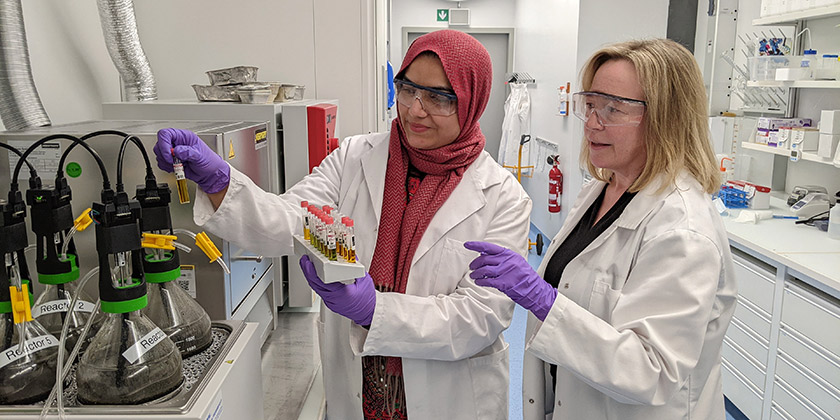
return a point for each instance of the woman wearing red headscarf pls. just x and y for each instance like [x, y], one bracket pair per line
[415, 337]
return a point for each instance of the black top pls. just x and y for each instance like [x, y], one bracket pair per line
[583, 234]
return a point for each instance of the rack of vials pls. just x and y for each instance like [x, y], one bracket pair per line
[330, 242]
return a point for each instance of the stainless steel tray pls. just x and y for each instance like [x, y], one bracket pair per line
[233, 75]
[225, 93]
[197, 370]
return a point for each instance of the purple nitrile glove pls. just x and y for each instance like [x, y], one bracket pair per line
[355, 301]
[201, 164]
[510, 273]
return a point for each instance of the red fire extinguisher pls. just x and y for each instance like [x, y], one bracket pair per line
[555, 184]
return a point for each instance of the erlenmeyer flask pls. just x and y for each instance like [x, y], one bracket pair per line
[170, 307]
[129, 361]
[27, 372]
[178, 315]
[51, 308]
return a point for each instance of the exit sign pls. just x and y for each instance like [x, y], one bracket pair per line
[443, 15]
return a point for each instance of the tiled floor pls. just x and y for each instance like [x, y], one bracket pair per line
[290, 361]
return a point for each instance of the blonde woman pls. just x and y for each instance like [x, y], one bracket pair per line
[630, 305]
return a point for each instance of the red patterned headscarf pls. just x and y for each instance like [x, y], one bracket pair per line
[401, 226]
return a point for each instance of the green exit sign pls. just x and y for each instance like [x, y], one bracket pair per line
[443, 15]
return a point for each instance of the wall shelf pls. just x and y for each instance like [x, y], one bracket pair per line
[763, 111]
[813, 84]
[793, 17]
[809, 156]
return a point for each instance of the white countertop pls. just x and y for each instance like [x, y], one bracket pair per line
[805, 249]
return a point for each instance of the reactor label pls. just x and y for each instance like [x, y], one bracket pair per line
[54, 306]
[145, 344]
[30, 346]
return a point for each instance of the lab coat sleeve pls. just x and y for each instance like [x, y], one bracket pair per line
[263, 222]
[657, 329]
[457, 325]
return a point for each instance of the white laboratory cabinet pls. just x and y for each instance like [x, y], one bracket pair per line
[781, 353]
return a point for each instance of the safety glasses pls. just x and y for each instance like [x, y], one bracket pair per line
[609, 110]
[434, 101]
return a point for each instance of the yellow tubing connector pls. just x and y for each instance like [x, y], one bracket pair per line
[83, 221]
[157, 241]
[21, 311]
[203, 241]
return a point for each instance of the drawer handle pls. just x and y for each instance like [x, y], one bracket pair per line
[804, 402]
[737, 323]
[752, 307]
[819, 305]
[768, 276]
[254, 258]
[780, 411]
[745, 354]
[795, 335]
[755, 259]
[811, 376]
[742, 379]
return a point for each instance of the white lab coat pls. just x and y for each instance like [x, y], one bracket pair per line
[637, 327]
[446, 329]
[516, 123]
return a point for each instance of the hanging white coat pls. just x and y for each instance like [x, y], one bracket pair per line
[446, 329]
[637, 327]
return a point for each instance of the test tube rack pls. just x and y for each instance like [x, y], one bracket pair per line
[329, 271]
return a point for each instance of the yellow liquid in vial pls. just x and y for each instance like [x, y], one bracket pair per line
[183, 192]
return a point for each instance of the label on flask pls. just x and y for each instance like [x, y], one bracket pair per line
[33, 345]
[54, 306]
[144, 345]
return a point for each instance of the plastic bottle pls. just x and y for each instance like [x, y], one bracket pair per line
[807, 58]
[808, 62]
[834, 222]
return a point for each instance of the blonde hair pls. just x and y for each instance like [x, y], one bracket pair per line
[675, 125]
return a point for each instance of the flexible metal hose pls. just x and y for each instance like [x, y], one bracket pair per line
[20, 105]
[120, 30]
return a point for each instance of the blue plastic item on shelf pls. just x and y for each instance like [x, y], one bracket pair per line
[733, 198]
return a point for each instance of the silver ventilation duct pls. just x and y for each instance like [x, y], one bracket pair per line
[120, 30]
[20, 105]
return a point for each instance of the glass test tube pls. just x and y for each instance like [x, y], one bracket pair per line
[180, 180]
[330, 224]
[311, 213]
[305, 218]
[339, 237]
[351, 241]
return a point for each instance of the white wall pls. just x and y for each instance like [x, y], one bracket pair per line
[546, 48]
[74, 73]
[70, 65]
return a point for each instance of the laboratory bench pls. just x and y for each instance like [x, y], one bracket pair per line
[781, 353]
